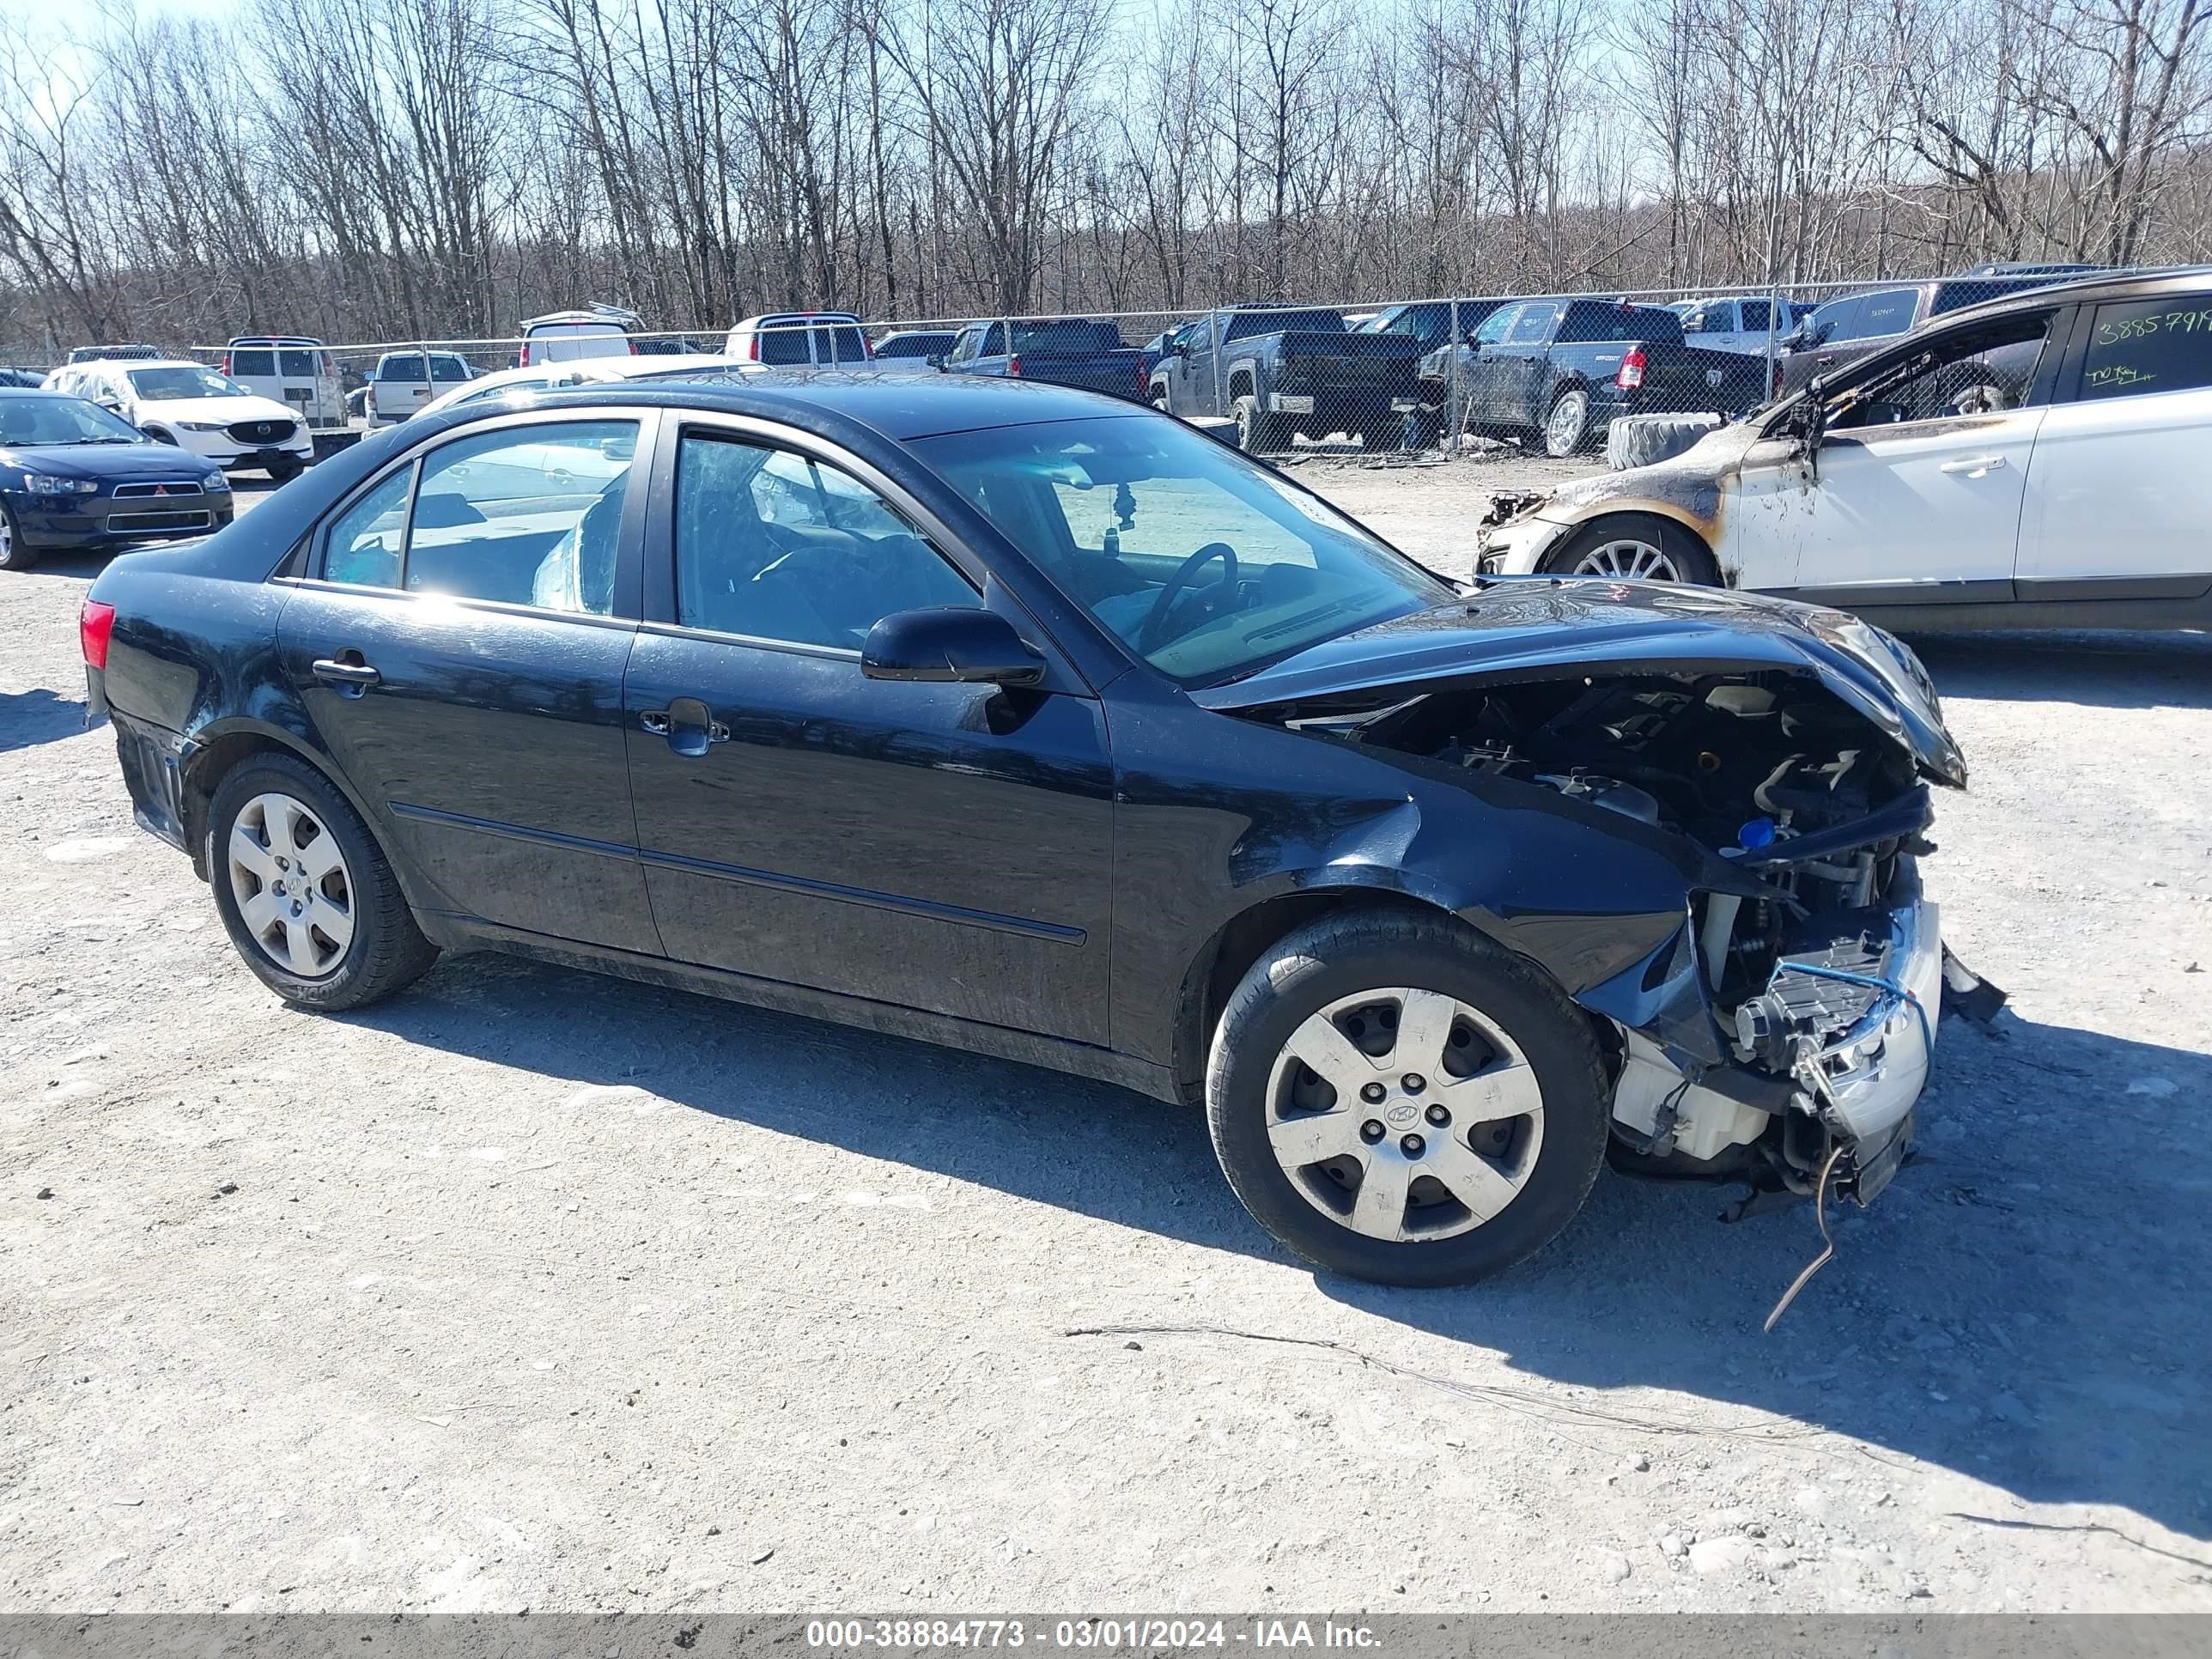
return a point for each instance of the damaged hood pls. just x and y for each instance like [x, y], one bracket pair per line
[1547, 627]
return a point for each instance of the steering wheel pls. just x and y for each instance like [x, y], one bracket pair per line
[1156, 619]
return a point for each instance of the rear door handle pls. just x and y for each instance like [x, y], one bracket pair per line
[1974, 465]
[354, 675]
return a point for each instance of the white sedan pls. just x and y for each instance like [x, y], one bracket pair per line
[2037, 461]
[176, 401]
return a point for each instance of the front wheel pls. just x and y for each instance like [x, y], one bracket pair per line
[304, 893]
[15, 553]
[1395, 1098]
[1635, 547]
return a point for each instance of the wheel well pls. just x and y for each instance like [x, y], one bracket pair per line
[1230, 954]
[1620, 523]
[1240, 384]
[203, 774]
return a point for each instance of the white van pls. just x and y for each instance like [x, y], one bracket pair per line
[289, 368]
[563, 336]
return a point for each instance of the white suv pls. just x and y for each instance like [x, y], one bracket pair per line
[176, 401]
[801, 339]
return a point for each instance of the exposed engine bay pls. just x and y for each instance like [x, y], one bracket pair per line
[1784, 1035]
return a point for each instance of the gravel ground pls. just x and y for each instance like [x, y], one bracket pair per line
[534, 1289]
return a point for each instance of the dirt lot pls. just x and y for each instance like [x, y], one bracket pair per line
[535, 1289]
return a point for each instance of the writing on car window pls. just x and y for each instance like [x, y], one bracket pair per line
[2140, 346]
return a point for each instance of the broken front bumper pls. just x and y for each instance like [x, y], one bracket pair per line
[1517, 548]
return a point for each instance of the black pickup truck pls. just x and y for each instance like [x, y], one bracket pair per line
[1065, 351]
[1563, 367]
[1280, 370]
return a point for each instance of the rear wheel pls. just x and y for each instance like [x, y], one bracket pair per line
[1397, 1099]
[304, 891]
[1568, 424]
[1635, 547]
[14, 554]
[1256, 431]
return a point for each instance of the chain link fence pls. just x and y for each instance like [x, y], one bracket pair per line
[1548, 374]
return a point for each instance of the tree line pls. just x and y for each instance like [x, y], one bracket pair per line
[378, 169]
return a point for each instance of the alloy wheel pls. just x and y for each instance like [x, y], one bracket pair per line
[1628, 559]
[1563, 432]
[1405, 1115]
[294, 893]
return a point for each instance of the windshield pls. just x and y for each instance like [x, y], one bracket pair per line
[186, 380]
[1206, 565]
[62, 420]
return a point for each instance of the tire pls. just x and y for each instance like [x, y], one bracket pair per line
[283, 471]
[1567, 428]
[381, 950]
[1345, 973]
[1634, 547]
[15, 553]
[1641, 440]
[1256, 432]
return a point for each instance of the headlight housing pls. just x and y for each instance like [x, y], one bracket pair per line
[214, 483]
[201, 426]
[46, 484]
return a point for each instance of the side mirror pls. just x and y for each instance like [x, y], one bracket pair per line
[950, 643]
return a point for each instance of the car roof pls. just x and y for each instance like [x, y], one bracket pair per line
[276, 340]
[800, 316]
[135, 363]
[2119, 285]
[897, 406]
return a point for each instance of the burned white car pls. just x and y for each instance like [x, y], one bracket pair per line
[2032, 462]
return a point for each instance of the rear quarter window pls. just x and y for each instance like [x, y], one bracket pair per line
[1889, 312]
[2139, 348]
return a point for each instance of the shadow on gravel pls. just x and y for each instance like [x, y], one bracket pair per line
[30, 718]
[2106, 669]
[2026, 1308]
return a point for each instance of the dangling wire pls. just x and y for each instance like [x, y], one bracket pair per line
[1828, 1239]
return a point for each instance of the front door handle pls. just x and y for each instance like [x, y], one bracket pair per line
[346, 672]
[1974, 466]
[687, 723]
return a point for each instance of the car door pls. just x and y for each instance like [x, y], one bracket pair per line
[939, 847]
[458, 643]
[1914, 495]
[2118, 493]
[1520, 365]
[1485, 397]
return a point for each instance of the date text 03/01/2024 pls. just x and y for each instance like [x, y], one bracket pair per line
[1106, 1635]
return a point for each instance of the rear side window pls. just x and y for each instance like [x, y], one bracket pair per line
[784, 343]
[1532, 324]
[1243, 324]
[1754, 316]
[2140, 347]
[255, 363]
[1879, 314]
[528, 515]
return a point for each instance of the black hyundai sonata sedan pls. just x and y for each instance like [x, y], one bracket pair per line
[1016, 718]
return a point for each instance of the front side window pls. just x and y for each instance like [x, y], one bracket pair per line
[184, 381]
[1976, 371]
[2139, 347]
[525, 515]
[1205, 564]
[776, 545]
[1495, 325]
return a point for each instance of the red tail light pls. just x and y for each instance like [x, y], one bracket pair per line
[95, 625]
[631, 344]
[1143, 381]
[1630, 374]
[1014, 366]
[226, 362]
[523, 362]
[1775, 390]
[752, 347]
